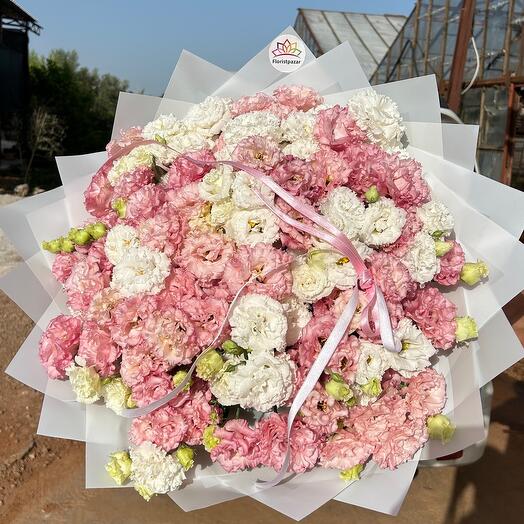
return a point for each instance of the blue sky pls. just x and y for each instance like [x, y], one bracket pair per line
[140, 40]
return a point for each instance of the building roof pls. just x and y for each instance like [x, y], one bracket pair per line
[370, 36]
[17, 16]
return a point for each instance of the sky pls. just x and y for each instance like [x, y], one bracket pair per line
[140, 40]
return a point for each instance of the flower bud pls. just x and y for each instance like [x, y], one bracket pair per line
[232, 348]
[372, 195]
[466, 328]
[119, 466]
[440, 428]
[208, 438]
[119, 205]
[144, 492]
[53, 246]
[185, 456]
[96, 230]
[209, 365]
[79, 236]
[473, 272]
[66, 245]
[352, 473]
[442, 247]
[337, 389]
[372, 388]
[178, 377]
[130, 404]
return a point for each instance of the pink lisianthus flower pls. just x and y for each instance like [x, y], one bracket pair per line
[366, 167]
[207, 314]
[344, 450]
[435, 316]
[329, 170]
[166, 427]
[138, 362]
[184, 172]
[298, 97]
[126, 138]
[99, 195]
[101, 307]
[164, 231]
[130, 183]
[64, 263]
[59, 344]
[451, 266]
[258, 152]
[391, 276]
[144, 203]
[294, 175]
[186, 200]
[426, 394]
[180, 286]
[304, 442]
[400, 443]
[172, 335]
[335, 128]
[314, 334]
[238, 446]
[198, 413]
[153, 387]
[344, 360]
[322, 412]
[412, 226]
[247, 104]
[261, 260]
[405, 184]
[290, 236]
[97, 349]
[205, 255]
[89, 276]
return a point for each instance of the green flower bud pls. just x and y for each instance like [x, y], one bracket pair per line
[119, 205]
[96, 230]
[119, 466]
[442, 247]
[209, 365]
[72, 232]
[208, 438]
[351, 402]
[437, 234]
[466, 329]
[145, 493]
[372, 388]
[178, 377]
[185, 456]
[372, 195]
[53, 246]
[352, 473]
[474, 272]
[130, 404]
[80, 237]
[66, 245]
[338, 390]
[440, 428]
[232, 348]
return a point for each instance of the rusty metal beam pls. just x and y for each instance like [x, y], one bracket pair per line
[460, 54]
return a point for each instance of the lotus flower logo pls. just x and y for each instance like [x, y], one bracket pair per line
[287, 48]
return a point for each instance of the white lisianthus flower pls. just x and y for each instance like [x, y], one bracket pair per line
[255, 123]
[85, 382]
[364, 251]
[141, 270]
[210, 116]
[373, 361]
[416, 349]
[261, 381]
[344, 210]
[340, 272]
[298, 315]
[226, 152]
[436, 218]
[153, 469]
[378, 116]
[253, 226]
[383, 223]
[421, 258]
[298, 125]
[119, 241]
[116, 394]
[302, 148]
[221, 212]
[242, 192]
[310, 282]
[188, 142]
[259, 323]
[164, 126]
[216, 184]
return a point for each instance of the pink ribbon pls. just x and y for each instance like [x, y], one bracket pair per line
[375, 321]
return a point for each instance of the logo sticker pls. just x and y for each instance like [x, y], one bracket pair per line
[287, 53]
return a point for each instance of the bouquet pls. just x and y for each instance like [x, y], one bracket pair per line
[261, 286]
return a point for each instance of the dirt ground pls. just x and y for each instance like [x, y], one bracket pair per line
[42, 479]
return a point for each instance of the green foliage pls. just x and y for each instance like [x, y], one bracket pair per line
[83, 100]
